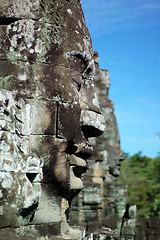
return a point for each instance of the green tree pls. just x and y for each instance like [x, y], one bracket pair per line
[142, 175]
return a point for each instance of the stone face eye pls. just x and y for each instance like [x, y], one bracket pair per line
[89, 71]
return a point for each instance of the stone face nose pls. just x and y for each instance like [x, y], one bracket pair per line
[92, 123]
[88, 97]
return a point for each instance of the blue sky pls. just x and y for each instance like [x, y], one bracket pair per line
[126, 35]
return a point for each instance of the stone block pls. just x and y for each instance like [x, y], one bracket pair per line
[51, 150]
[44, 40]
[99, 173]
[129, 227]
[88, 177]
[125, 237]
[91, 215]
[31, 232]
[106, 233]
[49, 208]
[120, 208]
[36, 81]
[141, 222]
[109, 209]
[111, 222]
[44, 114]
[153, 231]
[37, 117]
[16, 207]
[153, 223]
[92, 198]
[25, 9]
[73, 217]
[50, 230]
[98, 180]
[140, 233]
[92, 207]
[69, 121]
[93, 226]
[153, 237]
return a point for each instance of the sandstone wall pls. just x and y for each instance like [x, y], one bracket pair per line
[49, 120]
[147, 229]
[48, 109]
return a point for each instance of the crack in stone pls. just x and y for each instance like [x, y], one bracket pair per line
[36, 61]
[19, 120]
[8, 21]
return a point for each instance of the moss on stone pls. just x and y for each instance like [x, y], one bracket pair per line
[8, 81]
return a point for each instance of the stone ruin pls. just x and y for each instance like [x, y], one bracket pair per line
[50, 119]
[48, 110]
[102, 204]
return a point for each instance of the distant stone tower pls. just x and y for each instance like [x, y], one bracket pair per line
[102, 202]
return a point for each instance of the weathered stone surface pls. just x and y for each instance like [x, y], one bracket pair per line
[153, 223]
[105, 233]
[39, 81]
[67, 114]
[110, 222]
[41, 231]
[49, 207]
[49, 114]
[147, 229]
[62, 20]
[46, 86]
[128, 227]
[140, 233]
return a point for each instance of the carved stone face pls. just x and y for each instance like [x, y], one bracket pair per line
[107, 147]
[48, 105]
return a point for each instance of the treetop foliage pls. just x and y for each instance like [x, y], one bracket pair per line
[142, 175]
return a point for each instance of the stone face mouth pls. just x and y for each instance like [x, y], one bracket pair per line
[76, 161]
[85, 152]
[78, 171]
[78, 166]
[80, 163]
[76, 157]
